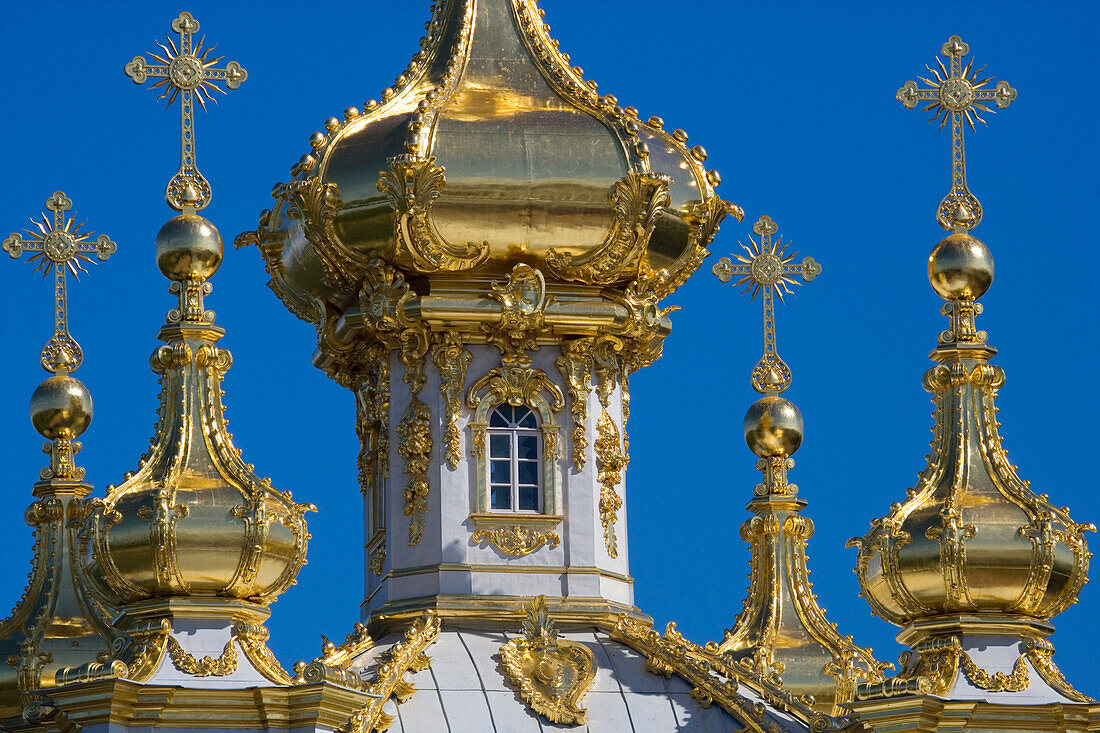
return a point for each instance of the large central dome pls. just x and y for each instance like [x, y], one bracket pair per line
[490, 150]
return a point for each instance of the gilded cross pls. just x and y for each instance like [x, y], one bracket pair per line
[766, 268]
[186, 71]
[59, 248]
[956, 94]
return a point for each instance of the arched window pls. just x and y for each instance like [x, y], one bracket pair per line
[515, 460]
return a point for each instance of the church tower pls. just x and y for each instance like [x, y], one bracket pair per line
[484, 251]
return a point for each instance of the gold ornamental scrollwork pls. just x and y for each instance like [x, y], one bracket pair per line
[403, 657]
[553, 675]
[1040, 652]
[332, 665]
[517, 540]
[576, 365]
[637, 200]
[451, 360]
[208, 666]
[315, 203]
[411, 186]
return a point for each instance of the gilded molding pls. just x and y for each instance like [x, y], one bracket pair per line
[637, 199]
[451, 360]
[225, 664]
[553, 675]
[517, 540]
[411, 186]
[575, 365]
[403, 657]
[610, 462]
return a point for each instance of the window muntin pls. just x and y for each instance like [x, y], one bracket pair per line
[515, 460]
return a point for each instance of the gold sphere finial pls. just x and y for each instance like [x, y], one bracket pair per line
[188, 248]
[960, 267]
[61, 408]
[773, 427]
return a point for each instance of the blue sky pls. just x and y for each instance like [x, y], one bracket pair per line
[794, 103]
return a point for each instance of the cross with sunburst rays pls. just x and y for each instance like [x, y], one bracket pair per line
[767, 269]
[187, 72]
[957, 94]
[59, 248]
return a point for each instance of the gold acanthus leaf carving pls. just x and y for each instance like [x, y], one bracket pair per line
[517, 540]
[610, 463]
[411, 186]
[575, 365]
[1040, 652]
[637, 200]
[252, 638]
[403, 657]
[553, 675]
[225, 664]
[451, 360]
[516, 382]
[383, 295]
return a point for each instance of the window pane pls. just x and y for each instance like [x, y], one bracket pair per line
[529, 420]
[500, 472]
[528, 498]
[501, 497]
[498, 419]
[528, 472]
[527, 446]
[498, 446]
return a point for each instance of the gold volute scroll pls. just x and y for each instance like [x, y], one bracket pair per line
[553, 675]
[637, 200]
[517, 540]
[403, 657]
[411, 186]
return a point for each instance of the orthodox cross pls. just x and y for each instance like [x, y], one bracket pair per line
[60, 248]
[766, 268]
[186, 71]
[957, 94]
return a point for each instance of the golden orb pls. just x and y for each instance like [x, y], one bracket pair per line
[960, 267]
[61, 407]
[773, 427]
[188, 247]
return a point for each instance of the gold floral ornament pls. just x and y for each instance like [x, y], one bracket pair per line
[957, 94]
[186, 71]
[553, 675]
[767, 269]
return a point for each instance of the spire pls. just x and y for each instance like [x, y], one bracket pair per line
[194, 539]
[973, 564]
[782, 632]
[58, 621]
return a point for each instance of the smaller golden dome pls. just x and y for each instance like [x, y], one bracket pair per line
[188, 247]
[960, 267]
[61, 408]
[773, 427]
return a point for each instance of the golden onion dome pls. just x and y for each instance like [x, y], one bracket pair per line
[489, 150]
[971, 537]
[194, 519]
